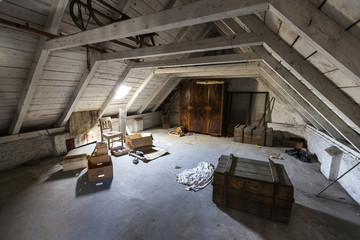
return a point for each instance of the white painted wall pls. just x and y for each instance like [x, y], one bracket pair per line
[317, 143]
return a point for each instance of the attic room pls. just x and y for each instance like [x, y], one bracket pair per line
[179, 119]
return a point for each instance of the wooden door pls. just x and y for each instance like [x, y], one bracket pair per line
[198, 115]
[215, 108]
[201, 107]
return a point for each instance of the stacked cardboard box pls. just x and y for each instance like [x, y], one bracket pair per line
[239, 133]
[269, 137]
[100, 167]
[258, 136]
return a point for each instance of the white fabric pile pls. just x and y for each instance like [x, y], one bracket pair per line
[196, 178]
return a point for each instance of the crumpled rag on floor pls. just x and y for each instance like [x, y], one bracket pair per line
[196, 178]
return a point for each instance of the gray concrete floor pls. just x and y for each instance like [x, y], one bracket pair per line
[145, 202]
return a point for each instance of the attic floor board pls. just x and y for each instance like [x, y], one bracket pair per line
[145, 202]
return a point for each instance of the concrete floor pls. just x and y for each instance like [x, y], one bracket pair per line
[145, 202]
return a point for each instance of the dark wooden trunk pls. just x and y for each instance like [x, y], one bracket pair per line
[201, 107]
[261, 188]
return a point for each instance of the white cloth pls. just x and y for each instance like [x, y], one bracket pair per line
[196, 178]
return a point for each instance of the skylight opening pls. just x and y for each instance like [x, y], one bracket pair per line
[122, 92]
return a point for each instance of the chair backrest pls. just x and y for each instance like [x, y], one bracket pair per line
[105, 124]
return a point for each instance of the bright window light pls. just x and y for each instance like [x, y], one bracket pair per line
[122, 92]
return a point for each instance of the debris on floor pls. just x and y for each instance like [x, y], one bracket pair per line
[196, 178]
[299, 154]
[147, 154]
[275, 156]
[176, 166]
[179, 132]
[135, 161]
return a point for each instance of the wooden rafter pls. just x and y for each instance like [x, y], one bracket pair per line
[305, 69]
[246, 39]
[155, 93]
[39, 61]
[138, 91]
[112, 94]
[322, 32]
[190, 14]
[78, 92]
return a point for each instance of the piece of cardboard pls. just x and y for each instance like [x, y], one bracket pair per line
[138, 140]
[74, 162]
[100, 168]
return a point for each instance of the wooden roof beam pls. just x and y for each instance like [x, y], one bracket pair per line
[328, 37]
[112, 95]
[190, 14]
[305, 69]
[41, 55]
[246, 39]
[78, 92]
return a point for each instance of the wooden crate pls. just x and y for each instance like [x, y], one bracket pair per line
[248, 134]
[269, 137]
[258, 136]
[239, 133]
[261, 188]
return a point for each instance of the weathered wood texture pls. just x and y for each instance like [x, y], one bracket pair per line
[193, 13]
[201, 107]
[260, 188]
[48, 19]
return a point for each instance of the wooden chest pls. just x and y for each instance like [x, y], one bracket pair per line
[261, 188]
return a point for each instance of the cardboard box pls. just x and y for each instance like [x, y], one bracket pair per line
[74, 162]
[138, 140]
[101, 149]
[100, 168]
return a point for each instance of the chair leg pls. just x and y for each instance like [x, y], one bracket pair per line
[108, 142]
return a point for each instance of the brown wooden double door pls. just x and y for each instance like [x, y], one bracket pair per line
[201, 107]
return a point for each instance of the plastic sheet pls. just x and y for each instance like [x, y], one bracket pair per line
[197, 178]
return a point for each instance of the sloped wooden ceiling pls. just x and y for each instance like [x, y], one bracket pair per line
[316, 78]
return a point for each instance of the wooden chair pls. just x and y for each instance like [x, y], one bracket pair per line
[108, 133]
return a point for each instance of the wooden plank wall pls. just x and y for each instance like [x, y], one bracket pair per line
[59, 79]
[147, 93]
[336, 76]
[160, 94]
[134, 80]
[17, 50]
[100, 86]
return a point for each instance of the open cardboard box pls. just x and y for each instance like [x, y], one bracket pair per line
[100, 168]
[139, 140]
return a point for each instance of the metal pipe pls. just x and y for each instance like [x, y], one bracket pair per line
[338, 179]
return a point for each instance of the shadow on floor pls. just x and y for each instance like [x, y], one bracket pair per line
[63, 174]
[84, 187]
[306, 223]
